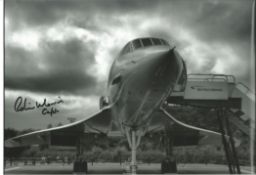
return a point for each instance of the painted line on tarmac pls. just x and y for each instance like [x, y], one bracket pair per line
[13, 168]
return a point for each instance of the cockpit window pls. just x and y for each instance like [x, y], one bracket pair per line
[146, 42]
[126, 49]
[156, 41]
[137, 44]
[142, 42]
[164, 42]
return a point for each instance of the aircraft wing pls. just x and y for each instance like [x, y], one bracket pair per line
[184, 134]
[66, 135]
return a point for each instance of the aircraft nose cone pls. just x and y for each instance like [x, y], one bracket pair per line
[148, 85]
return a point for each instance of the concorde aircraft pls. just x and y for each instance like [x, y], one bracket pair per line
[141, 78]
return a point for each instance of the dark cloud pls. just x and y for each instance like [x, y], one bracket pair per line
[65, 66]
[30, 13]
[211, 19]
[48, 12]
[216, 20]
[72, 54]
[223, 22]
[19, 62]
[69, 81]
[227, 20]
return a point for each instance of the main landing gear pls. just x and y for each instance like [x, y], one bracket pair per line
[168, 165]
[227, 140]
[80, 165]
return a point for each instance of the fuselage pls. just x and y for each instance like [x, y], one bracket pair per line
[141, 77]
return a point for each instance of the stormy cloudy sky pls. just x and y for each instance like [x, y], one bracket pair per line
[64, 49]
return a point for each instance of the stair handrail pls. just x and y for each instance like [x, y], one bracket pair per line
[246, 87]
[212, 77]
[248, 92]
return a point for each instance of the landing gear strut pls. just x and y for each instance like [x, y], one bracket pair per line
[80, 165]
[133, 137]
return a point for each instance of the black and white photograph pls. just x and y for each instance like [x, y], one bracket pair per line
[129, 87]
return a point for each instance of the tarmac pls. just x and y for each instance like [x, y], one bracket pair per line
[116, 168]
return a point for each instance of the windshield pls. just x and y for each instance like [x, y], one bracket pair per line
[143, 42]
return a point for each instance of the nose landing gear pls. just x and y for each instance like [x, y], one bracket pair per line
[133, 137]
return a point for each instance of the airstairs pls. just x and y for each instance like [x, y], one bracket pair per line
[224, 94]
[218, 91]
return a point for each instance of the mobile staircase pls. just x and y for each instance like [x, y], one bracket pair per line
[222, 93]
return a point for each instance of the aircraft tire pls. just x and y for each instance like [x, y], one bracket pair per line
[76, 166]
[173, 167]
[164, 166]
[84, 166]
[168, 166]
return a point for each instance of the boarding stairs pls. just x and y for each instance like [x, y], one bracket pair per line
[218, 91]
[222, 93]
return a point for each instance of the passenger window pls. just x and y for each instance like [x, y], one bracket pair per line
[146, 42]
[136, 44]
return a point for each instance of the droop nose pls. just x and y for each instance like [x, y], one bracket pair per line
[148, 85]
[157, 68]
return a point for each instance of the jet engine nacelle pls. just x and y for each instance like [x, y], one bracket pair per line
[104, 101]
